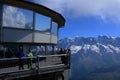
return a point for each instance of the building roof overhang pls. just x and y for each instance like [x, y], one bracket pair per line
[37, 8]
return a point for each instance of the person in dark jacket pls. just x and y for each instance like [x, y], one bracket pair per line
[21, 62]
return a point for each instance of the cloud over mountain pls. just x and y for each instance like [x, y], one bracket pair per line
[105, 9]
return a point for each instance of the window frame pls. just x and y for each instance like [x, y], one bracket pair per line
[56, 28]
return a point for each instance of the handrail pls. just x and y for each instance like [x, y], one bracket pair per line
[57, 55]
[40, 62]
[4, 59]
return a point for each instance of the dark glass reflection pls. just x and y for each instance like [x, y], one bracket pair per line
[17, 17]
[9, 51]
[54, 28]
[42, 23]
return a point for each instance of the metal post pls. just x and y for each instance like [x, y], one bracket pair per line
[53, 49]
[1, 15]
[69, 59]
[4, 52]
[38, 69]
[33, 28]
[45, 49]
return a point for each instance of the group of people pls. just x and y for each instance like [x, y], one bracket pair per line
[64, 58]
[29, 60]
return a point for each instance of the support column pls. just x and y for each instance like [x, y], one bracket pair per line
[1, 14]
[33, 28]
[53, 50]
[45, 49]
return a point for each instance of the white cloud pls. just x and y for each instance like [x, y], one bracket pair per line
[105, 9]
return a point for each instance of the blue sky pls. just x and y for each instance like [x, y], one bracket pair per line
[87, 18]
[89, 27]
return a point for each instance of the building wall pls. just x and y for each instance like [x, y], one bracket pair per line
[26, 36]
[17, 35]
[54, 39]
[41, 37]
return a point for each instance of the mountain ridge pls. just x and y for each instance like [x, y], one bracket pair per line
[110, 44]
[91, 53]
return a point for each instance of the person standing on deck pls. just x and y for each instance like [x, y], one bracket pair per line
[21, 62]
[30, 55]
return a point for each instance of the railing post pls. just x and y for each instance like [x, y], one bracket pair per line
[38, 69]
[69, 59]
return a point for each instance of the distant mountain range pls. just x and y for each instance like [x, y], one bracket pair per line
[92, 54]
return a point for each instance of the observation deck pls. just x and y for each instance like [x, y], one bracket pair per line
[41, 65]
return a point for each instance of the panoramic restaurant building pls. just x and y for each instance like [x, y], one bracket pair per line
[27, 26]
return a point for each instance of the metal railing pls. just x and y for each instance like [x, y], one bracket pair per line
[39, 62]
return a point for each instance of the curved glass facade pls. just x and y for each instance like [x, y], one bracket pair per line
[22, 18]
[19, 25]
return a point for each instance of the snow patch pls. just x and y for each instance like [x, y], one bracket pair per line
[86, 47]
[107, 48]
[95, 48]
[75, 49]
[114, 48]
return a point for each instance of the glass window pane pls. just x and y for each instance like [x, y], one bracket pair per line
[9, 51]
[54, 28]
[42, 23]
[1, 51]
[17, 17]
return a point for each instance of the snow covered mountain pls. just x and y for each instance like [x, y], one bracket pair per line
[89, 54]
[99, 45]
